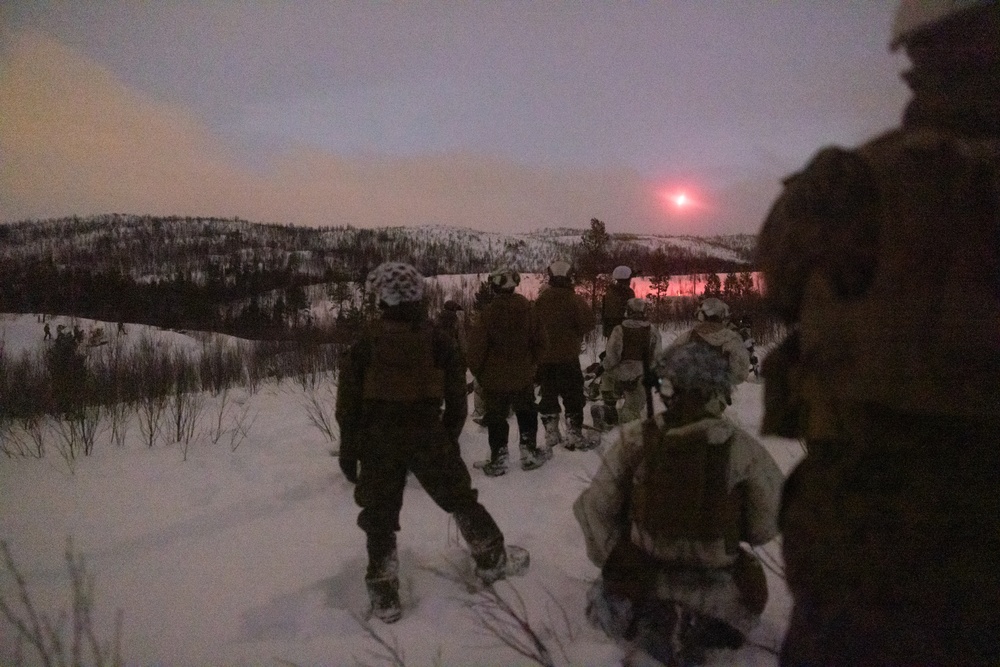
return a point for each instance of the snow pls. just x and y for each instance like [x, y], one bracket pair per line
[250, 555]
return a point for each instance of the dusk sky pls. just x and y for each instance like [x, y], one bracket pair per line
[505, 116]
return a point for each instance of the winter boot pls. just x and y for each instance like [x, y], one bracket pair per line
[575, 437]
[552, 435]
[599, 413]
[531, 456]
[382, 580]
[512, 561]
[610, 399]
[496, 465]
[384, 596]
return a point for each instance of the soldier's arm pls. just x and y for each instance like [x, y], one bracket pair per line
[477, 343]
[350, 379]
[827, 219]
[755, 469]
[602, 508]
[455, 394]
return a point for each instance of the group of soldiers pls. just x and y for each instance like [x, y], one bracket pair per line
[884, 263]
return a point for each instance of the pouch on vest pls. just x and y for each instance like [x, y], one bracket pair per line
[682, 493]
[402, 367]
[635, 342]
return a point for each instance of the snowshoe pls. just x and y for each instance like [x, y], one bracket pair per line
[514, 562]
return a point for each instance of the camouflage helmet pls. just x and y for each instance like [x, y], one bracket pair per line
[915, 16]
[505, 279]
[395, 283]
[694, 368]
[713, 309]
[621, 273]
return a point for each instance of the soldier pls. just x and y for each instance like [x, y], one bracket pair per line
[632, 347]
[665, 514]
[615, 298]
[392, 384]
[713, 328]
[503, 356]
[885, 262]
[562, 318]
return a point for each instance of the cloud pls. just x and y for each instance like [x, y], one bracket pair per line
[74, 139]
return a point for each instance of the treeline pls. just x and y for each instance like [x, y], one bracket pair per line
[252, 279]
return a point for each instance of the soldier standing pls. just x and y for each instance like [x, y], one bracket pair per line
[393, 382]
[503, 355]
[562, 318]
[885, 262]
[615, 298]
[632, 348]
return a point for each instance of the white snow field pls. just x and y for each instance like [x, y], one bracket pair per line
[247, 552]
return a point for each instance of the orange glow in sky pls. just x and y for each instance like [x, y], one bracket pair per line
[680, 199]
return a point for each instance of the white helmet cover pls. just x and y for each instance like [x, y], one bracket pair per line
[560, 268]
[505, 278]
[395, 283]
[713, 309]
[913, 16]
[621, 273]
[636, 306]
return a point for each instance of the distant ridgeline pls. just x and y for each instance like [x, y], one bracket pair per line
[191, 272]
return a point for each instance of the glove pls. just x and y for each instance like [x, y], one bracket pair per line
[350, 468]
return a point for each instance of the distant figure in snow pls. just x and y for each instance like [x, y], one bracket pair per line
[47, 335]
[393, 383]
[884, 260]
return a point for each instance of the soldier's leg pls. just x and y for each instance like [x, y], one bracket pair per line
[527, 425]
[571, 387]
[634, 404]
[548, 404]
[444, 476]
[497, 407]
[379, 493]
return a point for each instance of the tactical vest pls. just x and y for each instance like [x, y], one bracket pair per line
[402, 367]
[635, 343]
[924, 333]
[680, 490]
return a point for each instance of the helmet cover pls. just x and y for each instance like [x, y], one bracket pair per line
[395, 283]
[713, 309]
[694, 368]
[560, 268]
[621, 273]
[636, 306]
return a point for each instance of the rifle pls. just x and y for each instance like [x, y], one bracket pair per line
[649, 380]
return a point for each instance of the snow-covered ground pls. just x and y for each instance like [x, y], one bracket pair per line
[247, 552]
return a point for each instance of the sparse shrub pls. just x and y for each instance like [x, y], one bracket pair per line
[46, 637]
